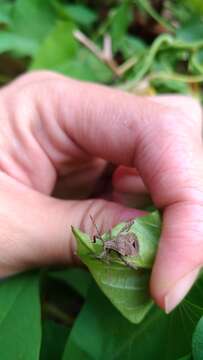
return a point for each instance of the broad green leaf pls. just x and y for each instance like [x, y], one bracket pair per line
[126, 288]
[59, 47]
[54, 337]
[5, 12]
[197, 342]
[29, 22]
[17, 44]
[100, 332]
[78, 13]
[20, 323]
[81, 14]
[78, 279]
[120, 20]
[85, 66]
[191, 31]
[131, 46]
[33, 19]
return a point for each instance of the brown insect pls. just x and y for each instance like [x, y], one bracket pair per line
[122, 244]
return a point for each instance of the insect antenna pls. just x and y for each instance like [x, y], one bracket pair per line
[95, 225]
[99, 236]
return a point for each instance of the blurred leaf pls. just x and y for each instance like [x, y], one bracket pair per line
[5, 12]
[32, 19]
[16, 44]
[120, 19]
[20, 323]
[191, 31]
[126, 288]
[131, 46]
[193, 5]
[81, 14]
[196, 62]
[78, 13]
[85, 66]
[100, 332]
[62, 53]
[197, 342]
[30, 22]
[58, 48]
[78, 279]
[54, 337]
[170, 86]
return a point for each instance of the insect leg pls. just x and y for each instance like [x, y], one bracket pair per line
[128, 263]
[103, 256]
[127, 226]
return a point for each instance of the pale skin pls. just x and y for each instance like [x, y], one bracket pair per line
[54, 127]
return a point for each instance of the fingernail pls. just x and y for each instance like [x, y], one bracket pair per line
[179, 291]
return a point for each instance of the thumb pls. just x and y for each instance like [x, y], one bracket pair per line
[37, 230]
[180, 254]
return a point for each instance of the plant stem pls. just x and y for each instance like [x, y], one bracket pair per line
[55, 312]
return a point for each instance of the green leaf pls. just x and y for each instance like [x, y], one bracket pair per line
[20, 323]
[78, 13]
[85, 66]
[5, 12]
[191, 31]
[78, 279]
[126, 288]
[131, 46]
[120, 19]
[163, 86]
[197, 342]
[29, 22]
[81, 14]
[16, 44]
[195, 5]
[54, 337]
[58, 48]
[100, 332]
[32, 19]
[196, 63]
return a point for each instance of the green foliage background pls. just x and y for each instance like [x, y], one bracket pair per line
[157, 48]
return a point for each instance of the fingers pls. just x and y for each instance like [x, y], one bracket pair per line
[179, 257]
[127, 179]
[82, 181]
[180, 254]
[129, 188]
[37, 230]
[75, 121]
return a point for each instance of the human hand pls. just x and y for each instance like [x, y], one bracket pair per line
[58, 130]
